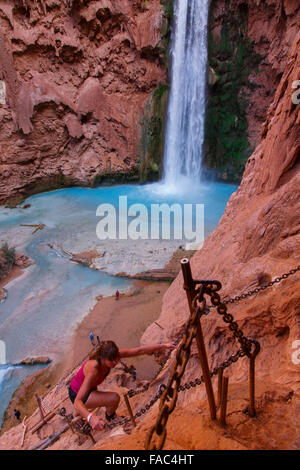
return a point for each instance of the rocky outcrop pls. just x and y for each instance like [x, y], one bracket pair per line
[249, 43]
[35, 360]
[22, 261]
[8, 259]
[77, 77]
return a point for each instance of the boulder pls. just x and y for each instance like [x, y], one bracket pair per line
[35, 360]
[22, 261]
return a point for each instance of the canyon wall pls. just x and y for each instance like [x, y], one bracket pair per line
[249, 43]
[75, 80]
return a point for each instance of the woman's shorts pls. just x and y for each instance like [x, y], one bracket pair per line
[73, 395]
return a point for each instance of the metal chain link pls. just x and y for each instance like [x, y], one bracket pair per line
[139, 413]
[261, 288]
[170, 394]
[199, 380]
[233, 326]
[198, 309]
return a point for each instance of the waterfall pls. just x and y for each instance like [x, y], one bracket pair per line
[186, 108]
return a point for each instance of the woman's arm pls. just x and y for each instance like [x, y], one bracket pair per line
[144, 349]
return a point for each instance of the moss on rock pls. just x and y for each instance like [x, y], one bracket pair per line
[152, 139]
[232, 59]
[111, 178]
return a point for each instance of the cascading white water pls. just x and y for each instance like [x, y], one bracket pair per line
[186, 108]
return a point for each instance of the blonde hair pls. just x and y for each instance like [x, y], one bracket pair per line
[106, 350]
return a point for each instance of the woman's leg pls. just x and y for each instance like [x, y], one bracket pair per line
[108, 399]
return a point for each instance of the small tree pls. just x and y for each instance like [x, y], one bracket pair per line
[9, 253]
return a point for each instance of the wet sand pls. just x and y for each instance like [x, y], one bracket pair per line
[15, 272]
[123, 321]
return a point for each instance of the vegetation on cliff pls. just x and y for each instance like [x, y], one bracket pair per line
[7, 259]
[231, 59]
[152, 138]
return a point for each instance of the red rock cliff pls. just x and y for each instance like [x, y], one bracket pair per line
[77, 76]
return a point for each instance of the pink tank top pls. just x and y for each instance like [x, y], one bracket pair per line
[79, 378]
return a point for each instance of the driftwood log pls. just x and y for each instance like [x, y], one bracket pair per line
[24, 431]
[37, 226]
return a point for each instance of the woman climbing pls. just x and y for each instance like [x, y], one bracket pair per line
[83, 388]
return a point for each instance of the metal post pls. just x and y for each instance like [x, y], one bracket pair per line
[189, 286]
[24, 431]
[40, 407]
[92, 438]
[252, 356]
[252, 387]
[129, 409]
[220, 378]
[224, 401]
[69, 422]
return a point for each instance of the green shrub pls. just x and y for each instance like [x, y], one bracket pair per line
[232, 57]
[9, 253]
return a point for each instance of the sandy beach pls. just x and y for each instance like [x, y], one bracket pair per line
[15, 272]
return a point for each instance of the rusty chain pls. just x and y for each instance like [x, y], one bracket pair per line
[139, 413]
[183, 354]
[186, 343]
[193, 383]
[189, 333]
[261, 288]
[79, 426]
[245, 342]
[181, 360]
